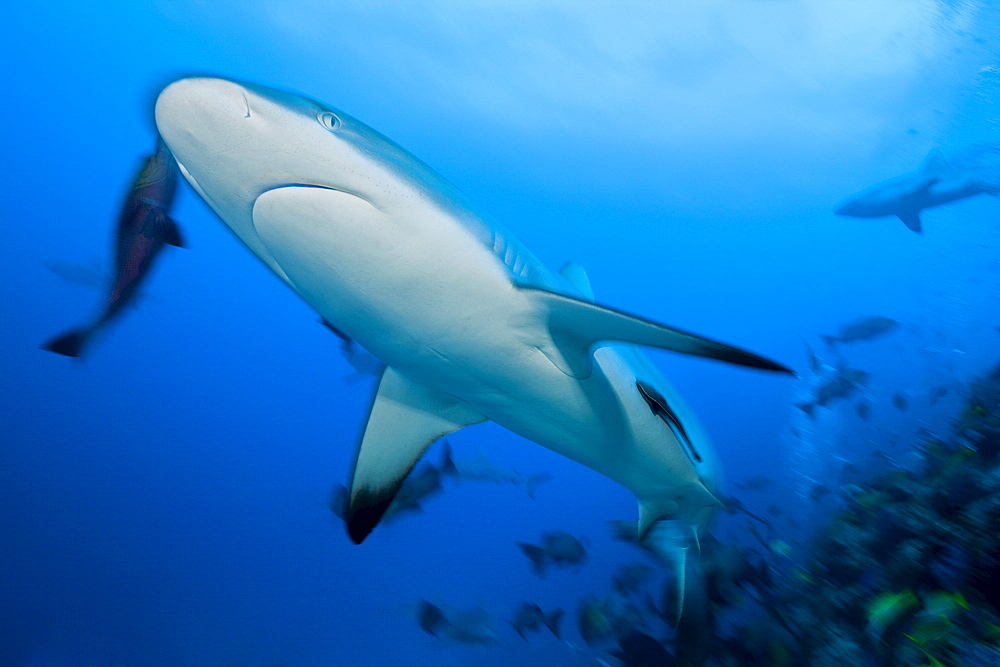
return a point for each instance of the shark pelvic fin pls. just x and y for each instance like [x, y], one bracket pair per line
[911, 219]
[577, 326]
[404, 420]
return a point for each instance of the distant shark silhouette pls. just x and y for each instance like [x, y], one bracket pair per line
[935, 183]
[471, 326]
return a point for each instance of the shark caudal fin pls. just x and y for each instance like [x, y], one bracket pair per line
[69, 344]
[576, 326]
[405, 419]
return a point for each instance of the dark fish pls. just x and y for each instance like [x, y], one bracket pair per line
[845, 383]
[143, 229]
[431, 618]
[863, 410]
[864, 329]
[818, 493]
[557, 547]
[530, 617]
[419, 485]
[630, 578]
[900, 402]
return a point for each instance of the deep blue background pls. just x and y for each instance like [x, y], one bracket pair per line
[164, 500]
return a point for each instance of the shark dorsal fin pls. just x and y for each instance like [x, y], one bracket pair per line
[577, 326]
[405, 419]
[935, 162]
[577, 277]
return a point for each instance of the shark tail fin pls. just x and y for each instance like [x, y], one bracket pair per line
[553, 620]
[911, 219]
[536, 555]
[71, 343]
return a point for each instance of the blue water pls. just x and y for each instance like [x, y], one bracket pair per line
[164, 499]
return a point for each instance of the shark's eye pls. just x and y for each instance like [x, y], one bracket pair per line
[329, 120]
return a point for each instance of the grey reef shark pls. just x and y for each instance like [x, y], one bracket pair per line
[934, 184]
[470, 324]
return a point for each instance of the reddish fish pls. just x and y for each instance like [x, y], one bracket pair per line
[143, 229]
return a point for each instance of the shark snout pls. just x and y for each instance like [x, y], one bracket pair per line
[195, 113]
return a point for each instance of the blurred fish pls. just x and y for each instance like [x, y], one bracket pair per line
[530, 617]
[866, 328]
[464, 626]
[846, 382]
[608, 618]
[630, 578]
[430, 617]
[558, 548]
[863, 409]
[936, 393]
[362, 361]
[481, 469]
[935, 183]
[144, 227]
[900, 402]
[637, 649]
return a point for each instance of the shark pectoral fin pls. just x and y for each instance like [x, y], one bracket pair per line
[577, 326]
[404, 420]
[911, 219]
[577, 277]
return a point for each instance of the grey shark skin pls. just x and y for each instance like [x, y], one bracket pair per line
[471, 326]
[934, 184]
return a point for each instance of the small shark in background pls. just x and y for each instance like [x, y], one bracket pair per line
[481, 469]
[144, 227]
[934, 184]
[470, 324]
[866, 328]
